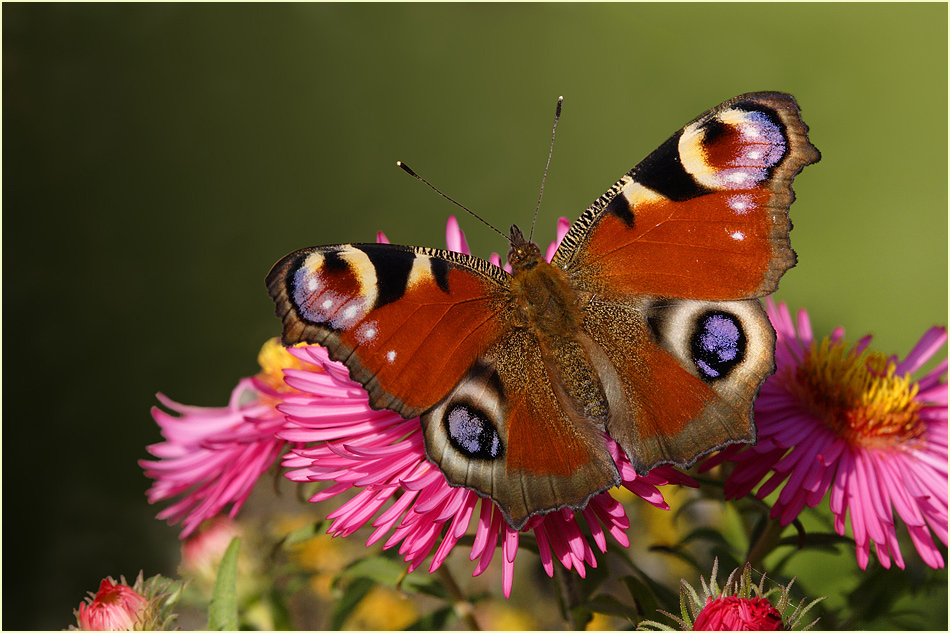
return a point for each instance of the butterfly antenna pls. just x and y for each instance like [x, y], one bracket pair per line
[406, 169]
[557, 115]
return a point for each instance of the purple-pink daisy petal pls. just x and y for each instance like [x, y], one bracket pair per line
[213, 456]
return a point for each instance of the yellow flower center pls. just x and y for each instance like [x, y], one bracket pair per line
[857, 396]
[274, 359]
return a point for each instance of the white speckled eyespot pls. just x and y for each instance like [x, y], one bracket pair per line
[472, 433]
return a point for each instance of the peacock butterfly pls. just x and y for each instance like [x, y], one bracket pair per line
[645, 325]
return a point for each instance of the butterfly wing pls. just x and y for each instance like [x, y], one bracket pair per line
[504, 433]
[408, 322]
[431, 333]
[672, 259]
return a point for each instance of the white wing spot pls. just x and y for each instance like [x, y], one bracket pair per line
[367, 332]
[741, 204]
[738, 235]
[391, 355]
[327, 304]
[313, 284]
[750, 131]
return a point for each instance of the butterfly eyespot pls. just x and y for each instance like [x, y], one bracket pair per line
[718, 344]
[472, 433]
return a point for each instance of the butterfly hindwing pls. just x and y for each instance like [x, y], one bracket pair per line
[504, 433]
[683, 374]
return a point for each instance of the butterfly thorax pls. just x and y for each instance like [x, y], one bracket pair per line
[542, 297]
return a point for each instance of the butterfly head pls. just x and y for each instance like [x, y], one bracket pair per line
[523, 255]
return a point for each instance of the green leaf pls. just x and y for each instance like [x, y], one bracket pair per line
[667, 598]
[644, 599]
[392, 573]
[377, 568]
[434, 621]
[426, 584]
[678, 552]
[301, 535]
[277, 603]
[223, 611]
[821, 540]
[704, 534]
[593, 579]
[609, 605]
[354, 592]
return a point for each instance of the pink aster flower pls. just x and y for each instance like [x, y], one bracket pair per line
[841, 418]
[341, 440]
[213, 456]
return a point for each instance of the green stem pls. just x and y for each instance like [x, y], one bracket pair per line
[764, 545]
[460, 604]
[570, 597]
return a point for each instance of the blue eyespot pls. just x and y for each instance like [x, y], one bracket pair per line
[718, 344]
[472, 433]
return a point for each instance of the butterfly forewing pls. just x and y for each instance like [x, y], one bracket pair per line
[407, 322]
[705, 216]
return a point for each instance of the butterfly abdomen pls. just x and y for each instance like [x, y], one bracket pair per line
[543, 300]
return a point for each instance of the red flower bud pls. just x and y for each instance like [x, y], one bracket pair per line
[731, 613]
[116, 607]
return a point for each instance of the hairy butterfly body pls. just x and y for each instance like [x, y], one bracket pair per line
[645, 326]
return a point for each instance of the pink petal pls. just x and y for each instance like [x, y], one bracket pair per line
[454, 238]
[926, 347]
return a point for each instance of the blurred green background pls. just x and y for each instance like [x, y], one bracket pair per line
[159, 158]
